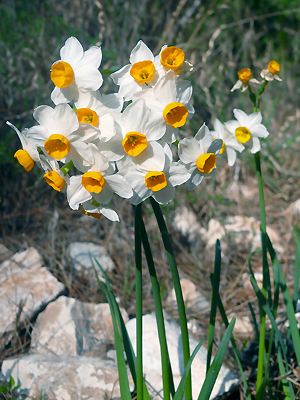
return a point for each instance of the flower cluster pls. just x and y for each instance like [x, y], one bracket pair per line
[94, 146]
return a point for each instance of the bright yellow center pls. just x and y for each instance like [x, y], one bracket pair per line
[93, 182]
[62, 74]
[57, 146]
[24, 159]
[244, 75]
[91, 214]
[274, 67]
[54, 180]
[206, 163]
[134, 143]
[175, 114]
[172, 57]
[242, 134]
[87, 116]
[155, 180]
[143, 71]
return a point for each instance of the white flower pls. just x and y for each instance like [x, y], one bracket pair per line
[272, 71]
[141, 129]
[95, 210]
[99, 182]
[77, 71]
[137, 75]
[59, 134]
[171, 99]
[53, 176]
[158, 183]
[229, 141]
[199, 154]
[248, 128]
[171, 58]
[245, 77]
[28, 155]
[91, 107]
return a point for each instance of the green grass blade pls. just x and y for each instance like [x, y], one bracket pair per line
[168, 384]
[254, 321]
[177, 287]
[123, 377]
[214, 302]
[236, 352]
[180, 389]
[139, 299]
[296, 235]
[288, 303]
[131, 359]
[215, 367]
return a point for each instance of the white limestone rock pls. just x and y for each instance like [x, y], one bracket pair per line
[25, 287]
[68, 327]
[64, 378]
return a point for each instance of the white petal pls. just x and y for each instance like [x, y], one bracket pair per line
[202, 132]
[76, 193]
[238, 84]
[65, 95]
[165, 195]
[152, 159]
[196, 178]
[87, 133]
[260, 131]
[231, 156]
[112, 150]
[109, 214]
[88, 78]
[92, 57]
[44, 115]
[134, 116]
[178, 174]
[120, 185]
[215, 146]
[107, 128]
[188, 150]
[112, 101]
[118, 75]
[165, 89]
[72, 51]
[141, 52]
[255, 145]
[254, 119]
[232, 125]
[241, 116]
[184, 91]
[155, 126]
[64, 120]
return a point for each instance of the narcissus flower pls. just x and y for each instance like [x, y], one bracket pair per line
[59, 135]
[248, 129]
[96, 210]
[199, 154]
[141, 130]
[77, 71]
[272, 71]
[28, 155]
[139, 74]
[245, 77]
[53, 176]
[91, 107]
[229, 141]
[158, 183]
[99, 182]
[171, 99]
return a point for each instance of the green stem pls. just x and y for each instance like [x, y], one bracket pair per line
[266, 286]
[178, 292]
[139, 299]
[167, 376]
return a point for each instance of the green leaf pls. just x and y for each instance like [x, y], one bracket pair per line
[215, 367]
[296, 234]
[214, 302]
[181, 387]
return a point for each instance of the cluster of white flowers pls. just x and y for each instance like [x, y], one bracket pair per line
[94, 146]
